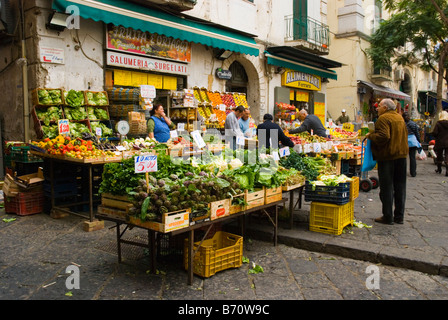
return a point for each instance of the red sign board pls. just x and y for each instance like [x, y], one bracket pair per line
[148, 44]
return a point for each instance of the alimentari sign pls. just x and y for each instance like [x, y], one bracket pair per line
[302, 80]
[144, 43]
[142, 63]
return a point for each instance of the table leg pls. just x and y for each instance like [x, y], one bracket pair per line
[152, 249]
[275, 225]
[190, 257]
[118, 243]
[91, 193]
[291, 208]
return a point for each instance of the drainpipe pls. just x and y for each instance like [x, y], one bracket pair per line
[26, 107]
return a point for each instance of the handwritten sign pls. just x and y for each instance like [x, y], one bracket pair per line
[198, 138]
[145, 163]
[173, 133]
[275, 155]
[63, 127]
[284, 152]
[148, 91]
[181, 126]
[240, 141]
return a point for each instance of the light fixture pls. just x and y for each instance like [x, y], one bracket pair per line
[57, 21]
[224, 54]
[280, 70]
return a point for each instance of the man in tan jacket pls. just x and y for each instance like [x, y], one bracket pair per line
[389, 144]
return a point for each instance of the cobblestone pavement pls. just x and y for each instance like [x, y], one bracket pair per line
[378, 263]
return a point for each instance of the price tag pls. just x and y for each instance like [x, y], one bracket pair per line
[120, 148]
[98, 131]
[284, 152]
[222, 107]
[298, 148]
[335, 149]
[275, 156]
[317, 147]
[240, 141]
[181, 126]
[173, 133]
[329, 144]
[145, 163]
[63, 127]
[307, 147]
[198, 139]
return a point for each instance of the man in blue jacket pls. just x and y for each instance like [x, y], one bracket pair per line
[310, 123]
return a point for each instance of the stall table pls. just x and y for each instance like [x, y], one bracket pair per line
[72, 161]
[151, 245]
[292, 206]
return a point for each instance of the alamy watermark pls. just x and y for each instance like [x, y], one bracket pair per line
[373, 280]
[73, 280]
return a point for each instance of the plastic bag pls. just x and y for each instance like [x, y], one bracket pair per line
[413, 142]
[368, 163]
[421, 155]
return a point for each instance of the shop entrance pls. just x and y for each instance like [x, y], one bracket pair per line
[239, 80]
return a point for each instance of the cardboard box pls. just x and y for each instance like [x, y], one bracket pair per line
[170, 221]
[219, 209]
[30, 180]
[10, 188]
[136, 116]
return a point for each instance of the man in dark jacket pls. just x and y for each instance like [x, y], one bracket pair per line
[440, 132]
[311, 123]
[269, 130]
[413, 130]
[390, 149]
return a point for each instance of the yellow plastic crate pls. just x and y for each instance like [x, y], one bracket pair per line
[223, 251]
[354, 188]
[330, 218]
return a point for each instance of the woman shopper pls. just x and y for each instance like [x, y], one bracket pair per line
[440, 132]
[413, 142]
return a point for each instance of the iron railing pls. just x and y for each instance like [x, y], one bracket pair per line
[308, 29]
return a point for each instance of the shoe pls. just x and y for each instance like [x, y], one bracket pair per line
[383, 220]
[399, 221]
[439, 168]
[413, 175]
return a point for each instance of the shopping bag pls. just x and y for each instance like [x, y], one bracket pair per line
[413, 142]
[421, 155]
[368, 163]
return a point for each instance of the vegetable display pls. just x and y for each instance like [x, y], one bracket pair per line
[97, 114]
[50, 131]
[46, 115]
[96, 98]
[310, 167]
[77, 129]
[74, 98]
[75, 113]
[48, 97]
[105, 130]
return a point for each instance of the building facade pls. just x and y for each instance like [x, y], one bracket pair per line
[274, 53]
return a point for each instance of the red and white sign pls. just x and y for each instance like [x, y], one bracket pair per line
[142, 63]
[145, 163]
[52, 55]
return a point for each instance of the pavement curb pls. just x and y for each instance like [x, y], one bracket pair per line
[300, 238]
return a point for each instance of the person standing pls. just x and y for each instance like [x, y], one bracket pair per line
[343, 118]
[440, 132]
[390, 149]
[159, 125]
[232, 127]
[267, 128]
[310, 123]
[244, 121]
[413, 142]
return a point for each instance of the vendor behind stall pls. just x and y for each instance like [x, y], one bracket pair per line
[310, 122]
[159, 125]
[267, 128]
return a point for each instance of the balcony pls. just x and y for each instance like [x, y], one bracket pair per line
[381, 74]
[176, 5]
[307, 34]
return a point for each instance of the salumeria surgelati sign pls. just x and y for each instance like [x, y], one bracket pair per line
[141, 63]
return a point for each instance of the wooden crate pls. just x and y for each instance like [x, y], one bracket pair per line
[219, 209]
[116, 202]
[236, 207]
[170, 221]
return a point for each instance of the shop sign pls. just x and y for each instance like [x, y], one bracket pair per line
[52, 55]
[148, 44]
[142, 63]
[302, 80]
[223, 74]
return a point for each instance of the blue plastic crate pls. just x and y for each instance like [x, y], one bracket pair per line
[328, 194]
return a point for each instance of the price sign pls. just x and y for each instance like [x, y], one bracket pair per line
[317, 147]
[298, 148]
[63, 127]
[240, 141]
[307, 148]
[173, 133]
[147, 91]
[284, 152]
[98, 132]
[145, 163]
[181, 126]
[275, 156]
[198, 139]
[348, 127]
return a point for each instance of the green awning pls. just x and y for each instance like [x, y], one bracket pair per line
[298, 66]
[131, 15]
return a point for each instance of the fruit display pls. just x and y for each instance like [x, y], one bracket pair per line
[197, 94]
[338, 133]
[305, 137]
[215, 98]
[73, 148]
[227, 99]
[240, 99]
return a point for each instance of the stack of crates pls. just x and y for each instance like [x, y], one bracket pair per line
[25, 203]
[332, 207]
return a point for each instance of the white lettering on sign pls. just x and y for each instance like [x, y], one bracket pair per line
[142, 63]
